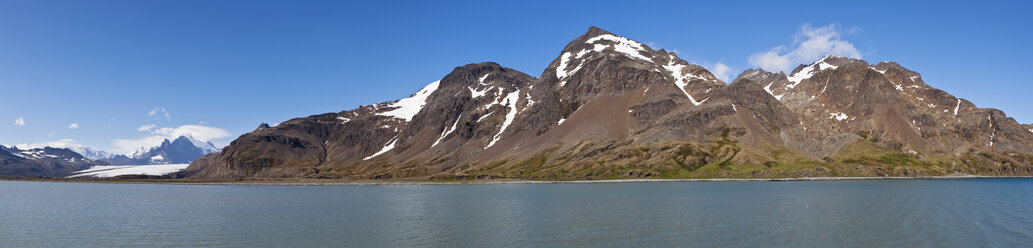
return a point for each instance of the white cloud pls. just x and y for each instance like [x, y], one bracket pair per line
[62, 143]
[74, 126]
[20, 121]
[145, 128]
[202, 123]
[721, 71]
[158, 111]
[195, 132]
[808, 45]
[198, 132]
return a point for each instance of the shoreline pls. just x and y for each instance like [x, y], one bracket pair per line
[336, 182]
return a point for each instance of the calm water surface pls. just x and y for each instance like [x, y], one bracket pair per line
[852, 213]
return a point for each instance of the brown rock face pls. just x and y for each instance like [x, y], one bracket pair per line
[610, 107]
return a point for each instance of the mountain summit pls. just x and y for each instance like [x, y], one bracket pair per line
[611, 107]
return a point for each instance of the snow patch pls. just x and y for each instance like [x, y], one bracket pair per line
[530, 100]
[564, 119]
[343, 119]
[956, 107]
[624, 45]
[839, 116]
[681, 79]
[768, 89]
[804, 73]
[876, 70]
[157, 157]
[388, 147]
[993, 132]
[474, 94]
[408, 108]
[483, 117]
[808, 72]
[444, 133]
[35, 153]
[483, 78]
[511, 101]
[825, 65]
[561, 71]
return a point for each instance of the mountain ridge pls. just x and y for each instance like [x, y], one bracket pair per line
[611, 107]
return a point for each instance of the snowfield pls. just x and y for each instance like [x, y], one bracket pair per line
[105, 171]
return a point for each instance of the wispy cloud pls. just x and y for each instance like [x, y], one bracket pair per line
[198, 132]
[74, 126]
[62, 143]
[145, 128]
[809, 44]
[158, 111]
[20, 121]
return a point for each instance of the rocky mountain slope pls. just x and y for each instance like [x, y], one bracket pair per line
[611, 107]
[41, 162]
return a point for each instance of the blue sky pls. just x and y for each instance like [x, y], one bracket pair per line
[219, 68]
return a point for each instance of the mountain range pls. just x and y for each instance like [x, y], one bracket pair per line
[610, 107]
[62, 161]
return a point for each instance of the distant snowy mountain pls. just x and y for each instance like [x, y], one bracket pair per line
[182, 150]
[90, 153]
